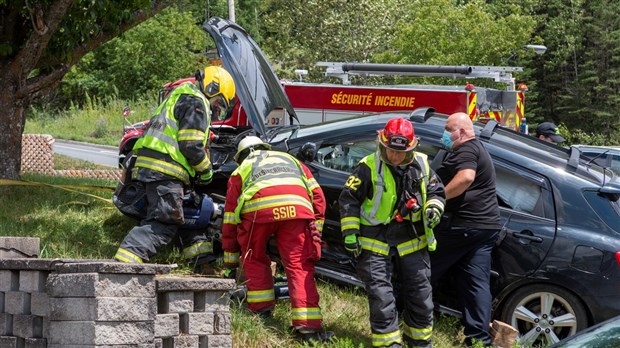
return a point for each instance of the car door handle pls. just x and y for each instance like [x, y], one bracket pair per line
[527, 235]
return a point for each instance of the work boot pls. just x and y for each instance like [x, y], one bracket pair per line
[313, 336]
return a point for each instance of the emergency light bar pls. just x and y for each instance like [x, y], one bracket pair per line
[498, 73]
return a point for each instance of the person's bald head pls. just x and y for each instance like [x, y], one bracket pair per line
[459, 120]
[461, 128]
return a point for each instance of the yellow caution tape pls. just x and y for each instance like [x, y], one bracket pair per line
[70, 188]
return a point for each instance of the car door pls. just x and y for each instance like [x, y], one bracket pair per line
[528, 219]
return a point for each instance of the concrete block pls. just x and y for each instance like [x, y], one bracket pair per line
[17, 302]
[100, 285]
[103, 308]
[185, 341]
[177, 283]
[8, 342]
[145, 345]
[31, 281]
[19, 247]
[167, 325]
[211, 301]
[112, 267]
[6, 325]
[27, 326]
[40, 304]
[100, 333]
[218, 341]
[9, 280]
[35, 343]
[175, 302]
[197, 323]
[159, 343]
[222, 323]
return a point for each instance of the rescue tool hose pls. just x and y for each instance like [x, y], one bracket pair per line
[407, 68]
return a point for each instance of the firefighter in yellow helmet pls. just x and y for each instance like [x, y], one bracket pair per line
[388, 208]
[170, 156]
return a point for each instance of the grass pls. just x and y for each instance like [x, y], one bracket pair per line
[98, 122]
[71, 224]
[62, 162]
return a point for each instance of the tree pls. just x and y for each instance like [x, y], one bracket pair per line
[165, 48]
[40, 41]
[309, 31]
[445, 32]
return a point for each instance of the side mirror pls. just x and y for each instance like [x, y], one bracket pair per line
[307, 153]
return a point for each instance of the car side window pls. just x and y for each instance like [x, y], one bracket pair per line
[523, 192]
[345, 157]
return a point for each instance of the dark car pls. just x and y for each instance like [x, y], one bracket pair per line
[557, 268]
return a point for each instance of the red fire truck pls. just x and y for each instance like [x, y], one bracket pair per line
[315, 103]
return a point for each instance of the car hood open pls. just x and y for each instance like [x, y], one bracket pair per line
[257, 86]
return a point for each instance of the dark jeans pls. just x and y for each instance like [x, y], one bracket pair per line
[467, 253]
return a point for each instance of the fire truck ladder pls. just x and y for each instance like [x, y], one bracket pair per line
[501, 74]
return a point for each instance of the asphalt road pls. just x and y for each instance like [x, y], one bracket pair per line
[98, 154]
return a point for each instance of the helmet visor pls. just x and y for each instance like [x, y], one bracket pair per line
[402, 157]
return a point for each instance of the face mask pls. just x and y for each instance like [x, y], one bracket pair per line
[446, 141]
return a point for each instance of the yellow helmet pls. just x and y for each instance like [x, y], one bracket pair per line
[216, 83]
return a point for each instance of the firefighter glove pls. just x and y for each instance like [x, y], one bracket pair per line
[230, 273]
[433, 215]
[204, 178]
[352, 245]
[314, 232]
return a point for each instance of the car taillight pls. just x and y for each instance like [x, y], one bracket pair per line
[618, 257]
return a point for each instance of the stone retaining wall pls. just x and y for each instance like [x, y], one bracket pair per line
[38, 157]
[58, 303]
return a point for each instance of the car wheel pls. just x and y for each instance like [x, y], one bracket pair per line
[544, 314]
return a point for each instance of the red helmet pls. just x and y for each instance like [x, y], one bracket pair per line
[398, 135]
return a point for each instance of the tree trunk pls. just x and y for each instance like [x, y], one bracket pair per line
[12, 120]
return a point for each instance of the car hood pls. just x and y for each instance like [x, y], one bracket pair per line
[257, 86]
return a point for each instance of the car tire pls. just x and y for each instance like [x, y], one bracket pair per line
[544, 314]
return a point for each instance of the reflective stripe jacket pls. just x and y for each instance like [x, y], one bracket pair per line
[269, 186]
[173, 144]
[371, 198]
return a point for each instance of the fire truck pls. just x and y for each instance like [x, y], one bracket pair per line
[319, 102]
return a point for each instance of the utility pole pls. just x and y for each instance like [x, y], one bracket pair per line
[231, 10]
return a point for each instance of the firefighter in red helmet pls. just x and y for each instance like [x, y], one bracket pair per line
[389, 207]
[272, 194]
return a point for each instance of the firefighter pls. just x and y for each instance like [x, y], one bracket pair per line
[171, 155]
[272, 194]
[388, 207]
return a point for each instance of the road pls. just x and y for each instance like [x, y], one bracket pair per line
[98, 154]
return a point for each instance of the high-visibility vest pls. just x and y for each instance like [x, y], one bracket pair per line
[289, 172]
[381, 208]
[162, 135]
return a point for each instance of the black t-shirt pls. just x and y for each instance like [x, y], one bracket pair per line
[477, 206]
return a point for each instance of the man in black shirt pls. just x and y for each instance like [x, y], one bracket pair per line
[466, 239]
